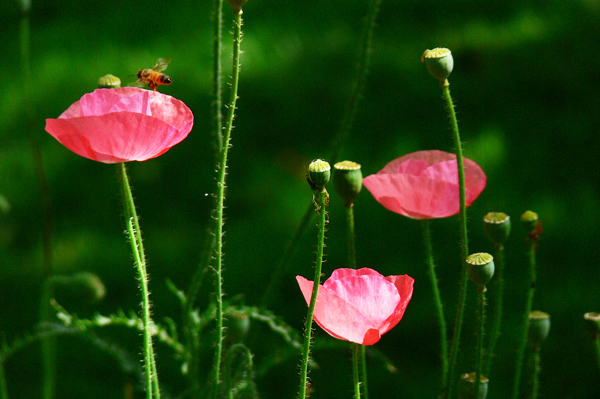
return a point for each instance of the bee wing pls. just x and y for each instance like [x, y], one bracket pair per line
[161, 64]
[137, 83]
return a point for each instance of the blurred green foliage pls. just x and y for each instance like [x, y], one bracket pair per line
[525, 84]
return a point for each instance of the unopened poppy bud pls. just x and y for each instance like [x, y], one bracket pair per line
[539, 327]
[109, 82]
[496, 226]
[481, 268]
[439, 63]
[467, 386]
[347, 178]
[238, 325]
[319, 173]
[237, 3]
[593, 322]
[530, 220]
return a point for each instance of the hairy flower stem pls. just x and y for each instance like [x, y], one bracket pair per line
[322, 198]
[217, 93]
[535, 382]
[525, 328]
[437, 299]
[462, 296]
[480, 334]
[235, 75]
[137, 247]
[497, 312]
[355, 360]
[358, 86]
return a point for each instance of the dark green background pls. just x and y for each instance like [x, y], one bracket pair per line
[525, 84]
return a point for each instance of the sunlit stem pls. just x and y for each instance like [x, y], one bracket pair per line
[437, 299]
[525, 327]
[363, 60]
[355, 361]
[535, 382]
[322, 198]
[497, 312]
[464, 243]
[480, 334]
[237, 38]
[137, 248]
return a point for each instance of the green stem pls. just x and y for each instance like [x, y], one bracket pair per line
[437, 299]
[237, 38]
[3, 387]
[48, 343]
[597, 349]
[218, 73]
[525, 328]
[321, 203]
[351, 236]
[355, 360]
[358, 86]
[479, 359]
[495, 330]
[363, 355]
[462, 296]
[535, 385]
[137, 249]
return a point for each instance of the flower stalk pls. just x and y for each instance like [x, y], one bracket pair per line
[497, 311]
[355, 362]
[322, 199]
[237, 39]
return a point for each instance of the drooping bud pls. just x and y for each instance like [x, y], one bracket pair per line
[318, 175]
[593, 323]
[480, 267]
[109, 82]
[238, 325]
[539, 327]
[530, 221]
[439, 63]
[467, 386]
[347, 178]
[496, 226]
[87, 287]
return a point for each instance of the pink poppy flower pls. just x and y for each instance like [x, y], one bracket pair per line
[424, 184]
[359, 305]
[124, 124]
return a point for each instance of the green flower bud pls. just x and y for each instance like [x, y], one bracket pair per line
[319, 173]
[347, 178]
[109, 82]
[496, 226]
[467, 386]
[86, 288]
[539, 327]
[439, 63]
[237, 3]
[481, 268]
[530, 221]
[593, 322]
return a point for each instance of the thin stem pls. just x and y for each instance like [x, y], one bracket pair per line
[597, 349]
[218, 73]
[139, 257]
[363, 60]
[355, 360]
[351, 236]
[321, 203]
[237, 38]
[495, 330]
[525, 328]
[363, 362]
[437, 299]
[48, 343]
[480, 334]
[464, 244]
[535, 385]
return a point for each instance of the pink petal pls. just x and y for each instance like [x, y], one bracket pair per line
[404, 284]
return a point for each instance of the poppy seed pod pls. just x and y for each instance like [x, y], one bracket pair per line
[593, 322]
[237, 3]
[539, 327]
[530, 220]
[109, 82]
[496, 226]
[347, 178]
[439, 63]
[481, 268]
[318, 175]
[467, 386]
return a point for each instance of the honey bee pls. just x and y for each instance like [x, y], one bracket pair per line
[154, 77]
